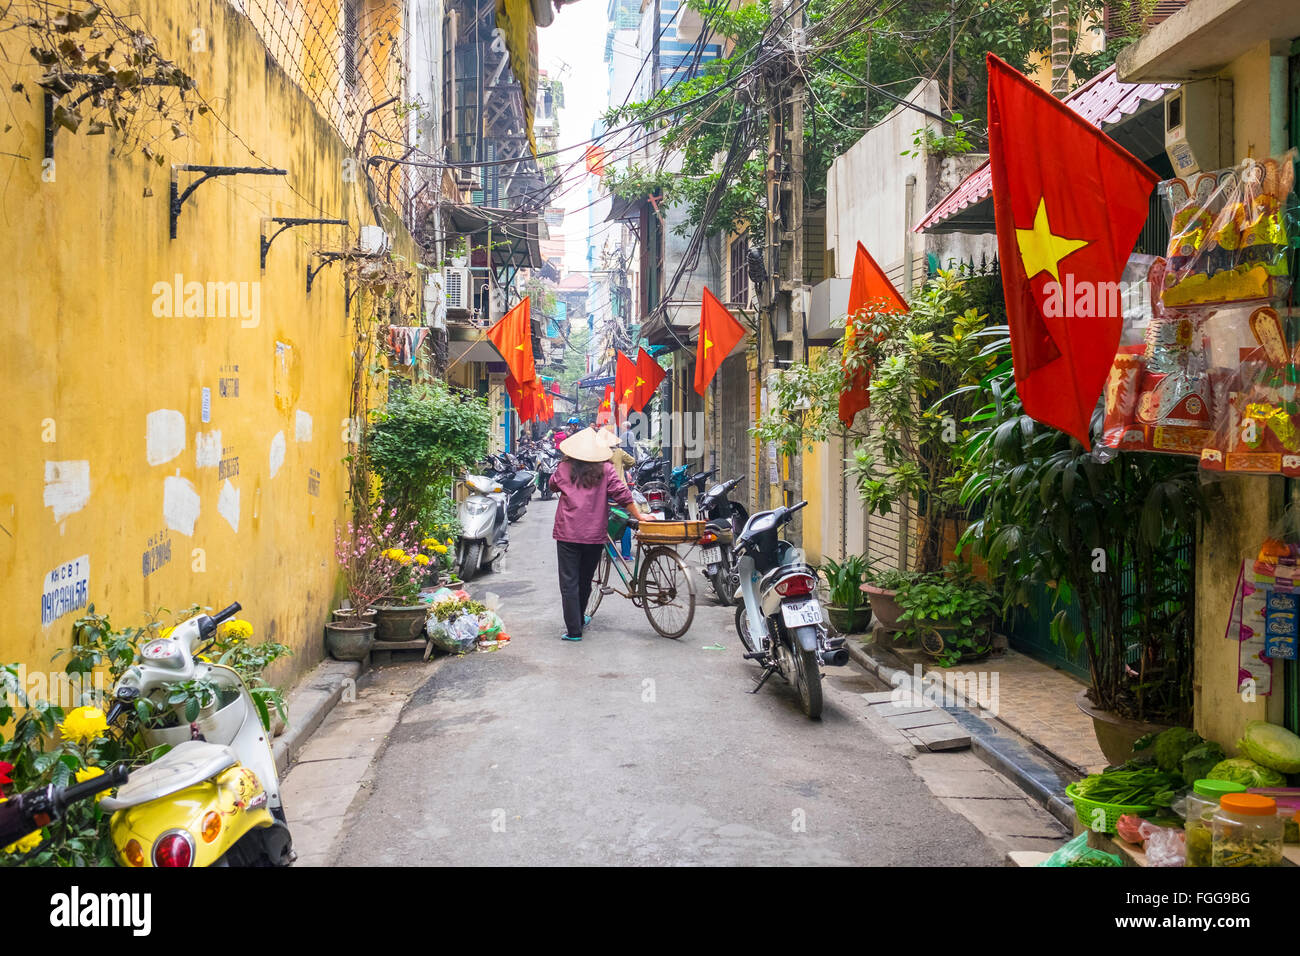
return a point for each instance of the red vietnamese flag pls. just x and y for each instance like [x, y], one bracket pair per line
[869, 289]
[516, 393]
[1069, 203]
[648, 376]
[512, 335]
[719, 333]
[624, 385]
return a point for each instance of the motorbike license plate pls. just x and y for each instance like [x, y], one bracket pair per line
[801, 613]
[711, 555]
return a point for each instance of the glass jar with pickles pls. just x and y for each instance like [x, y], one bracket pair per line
[1202, 804]
[1246, 831]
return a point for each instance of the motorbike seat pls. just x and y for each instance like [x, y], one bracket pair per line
[183, 766]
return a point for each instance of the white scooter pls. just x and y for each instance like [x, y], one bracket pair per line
[214, 797]
[483, 523]
[779, 619]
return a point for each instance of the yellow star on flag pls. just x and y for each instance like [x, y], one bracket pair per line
[707, 344]
[1041, 250]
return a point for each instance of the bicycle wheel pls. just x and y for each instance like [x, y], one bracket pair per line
[667, 592]
[599, 583]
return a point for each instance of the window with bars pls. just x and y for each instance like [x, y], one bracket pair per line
[739, 271]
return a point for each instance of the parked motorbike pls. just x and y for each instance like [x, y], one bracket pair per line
[25, 813]
[482, 515]
[724, 520]
[214, 798]
[683, 508]
[547, 463]
[779, 619]
[517, 481]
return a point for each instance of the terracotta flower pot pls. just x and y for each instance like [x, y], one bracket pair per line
[400, 622]
[349, 640]
[884, 607]
[1115, 734]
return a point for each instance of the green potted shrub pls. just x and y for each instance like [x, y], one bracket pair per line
[948, 614]
[848, 609]
[1107, 540]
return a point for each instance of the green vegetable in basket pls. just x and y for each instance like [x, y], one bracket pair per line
[1271, 746]
[1124, 787]
[1245, 771]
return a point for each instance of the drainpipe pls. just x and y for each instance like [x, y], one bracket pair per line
[909, 209]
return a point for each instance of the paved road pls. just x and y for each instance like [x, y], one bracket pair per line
[628, 748]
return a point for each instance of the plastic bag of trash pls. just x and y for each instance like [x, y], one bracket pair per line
[455, 636]
[490, 626]
[1077, 853]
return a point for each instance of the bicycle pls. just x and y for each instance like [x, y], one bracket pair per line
[658, 581]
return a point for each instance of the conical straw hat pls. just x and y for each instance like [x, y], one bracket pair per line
[586, 445]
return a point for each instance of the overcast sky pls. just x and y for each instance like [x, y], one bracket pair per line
[573, 48]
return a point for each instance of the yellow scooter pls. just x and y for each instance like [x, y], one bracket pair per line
[214, 798]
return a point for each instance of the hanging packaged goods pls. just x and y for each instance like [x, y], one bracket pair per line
[1209, 358]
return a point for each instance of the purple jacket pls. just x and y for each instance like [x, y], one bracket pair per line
[582, 515]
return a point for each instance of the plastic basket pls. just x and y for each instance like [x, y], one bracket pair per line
[669, 532]
[618, 520]
[1085, 810]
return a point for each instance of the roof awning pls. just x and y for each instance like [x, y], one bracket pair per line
[621, 209]
[1124, 111]
[473, 347]
[516, 236]
[1206, 35]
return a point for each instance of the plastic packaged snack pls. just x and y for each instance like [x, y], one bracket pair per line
[1228, 233]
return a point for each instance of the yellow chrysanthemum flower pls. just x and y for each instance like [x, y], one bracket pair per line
[235, 631]
[429, 543]
[404, 560]
[84, 724]
[29, 842]
[440, 548]
[451, 542]
[422, 559]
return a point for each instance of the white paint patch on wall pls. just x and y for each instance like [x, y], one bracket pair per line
[180, 504]
[301, 426]
[228, 505]
[164, 435]
[277, 452]
[67, 487]
[207, 449]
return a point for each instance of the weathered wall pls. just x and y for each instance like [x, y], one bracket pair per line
[1240, 523]
[109, 457]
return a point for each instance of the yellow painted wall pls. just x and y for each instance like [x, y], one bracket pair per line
[88, 360]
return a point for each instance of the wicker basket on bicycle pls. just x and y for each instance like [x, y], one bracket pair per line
[669, 532]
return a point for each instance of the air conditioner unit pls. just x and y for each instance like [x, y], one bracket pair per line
[1198, 126]
[458, 289]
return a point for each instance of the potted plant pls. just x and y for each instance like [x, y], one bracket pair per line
[401, 614]
[367, 575]
[847, 608]
[882, 587]
[949, 614]
[1110, 542]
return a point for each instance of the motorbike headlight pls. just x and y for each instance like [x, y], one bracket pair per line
[476, 506]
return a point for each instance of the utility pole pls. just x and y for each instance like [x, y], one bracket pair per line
[782, 313]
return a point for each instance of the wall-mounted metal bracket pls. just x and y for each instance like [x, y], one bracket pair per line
[209, 172]
[95, 83]
[288, 222]
[325, 259]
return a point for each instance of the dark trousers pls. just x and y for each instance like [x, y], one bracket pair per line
[578, 563]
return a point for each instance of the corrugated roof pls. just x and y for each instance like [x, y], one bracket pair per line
[1102, 101]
